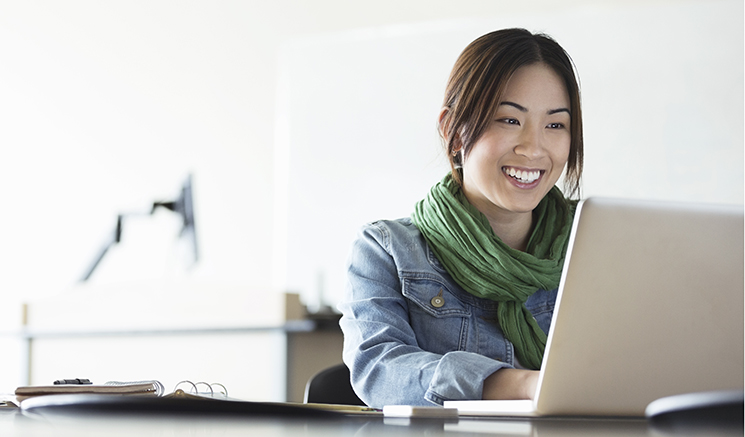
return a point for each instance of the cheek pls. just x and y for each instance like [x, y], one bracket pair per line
[560, 153]
[489, 149]
[479, 166]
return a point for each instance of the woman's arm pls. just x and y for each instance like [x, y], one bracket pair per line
[380, 346]
[511, 384]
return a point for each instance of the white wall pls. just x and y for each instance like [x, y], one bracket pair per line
[106, 106]
[662, 88]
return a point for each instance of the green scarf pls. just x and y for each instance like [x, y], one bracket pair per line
[478, 260]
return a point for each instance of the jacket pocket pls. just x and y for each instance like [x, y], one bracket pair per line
[440, 321]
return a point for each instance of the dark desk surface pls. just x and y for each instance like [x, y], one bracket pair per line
[15, 423]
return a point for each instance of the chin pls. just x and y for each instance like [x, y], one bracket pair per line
[526, 203]
[530, 202]
[519, 207]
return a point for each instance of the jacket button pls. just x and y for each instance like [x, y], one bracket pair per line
[438, 301]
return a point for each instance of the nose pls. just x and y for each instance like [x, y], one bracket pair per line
[530, 143]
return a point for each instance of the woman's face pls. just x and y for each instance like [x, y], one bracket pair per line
[523, 151]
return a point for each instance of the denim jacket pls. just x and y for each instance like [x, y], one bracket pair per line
[411, 334]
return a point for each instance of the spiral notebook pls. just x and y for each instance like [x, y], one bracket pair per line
[149, 397]
[146, 388]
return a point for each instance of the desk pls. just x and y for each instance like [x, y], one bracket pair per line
[300, 348]
[262, 346]
[17, 424]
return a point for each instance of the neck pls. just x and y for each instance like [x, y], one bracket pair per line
[513, 229]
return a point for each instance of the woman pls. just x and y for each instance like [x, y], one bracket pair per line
[456, 301]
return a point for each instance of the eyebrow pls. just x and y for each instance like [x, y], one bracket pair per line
[522, 108]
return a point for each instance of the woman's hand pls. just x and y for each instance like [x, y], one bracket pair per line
[510, 384]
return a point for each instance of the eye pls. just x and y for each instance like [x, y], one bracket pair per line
[514, 121]
[556, 126]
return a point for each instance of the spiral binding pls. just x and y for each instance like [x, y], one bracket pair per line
[211, 387]
[214, 389]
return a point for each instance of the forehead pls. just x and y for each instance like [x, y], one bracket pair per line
[536, 86]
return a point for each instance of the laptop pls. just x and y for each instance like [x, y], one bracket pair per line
[650, 305]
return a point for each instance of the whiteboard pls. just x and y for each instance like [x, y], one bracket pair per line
[356, 140]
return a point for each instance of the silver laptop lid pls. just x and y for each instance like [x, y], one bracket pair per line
[650, 305]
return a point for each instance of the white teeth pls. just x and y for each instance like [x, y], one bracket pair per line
[525, 177]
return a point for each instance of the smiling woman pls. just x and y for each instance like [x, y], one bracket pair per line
[455, 302]
[477, 86]
[521, 153]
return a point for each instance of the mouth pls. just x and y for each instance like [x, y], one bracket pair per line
[522, 176]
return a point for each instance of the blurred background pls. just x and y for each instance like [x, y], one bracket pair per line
[297, 121]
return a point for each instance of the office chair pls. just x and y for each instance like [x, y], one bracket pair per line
[331, 386]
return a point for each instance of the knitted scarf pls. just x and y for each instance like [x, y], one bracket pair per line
[478, 260]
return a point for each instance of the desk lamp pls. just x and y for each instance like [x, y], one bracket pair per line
[183, 206]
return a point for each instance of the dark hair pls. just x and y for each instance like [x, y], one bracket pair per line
[479, 79]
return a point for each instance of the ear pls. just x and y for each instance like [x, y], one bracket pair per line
[443, 127]
[440, 119]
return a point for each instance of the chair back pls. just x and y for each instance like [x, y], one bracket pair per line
[331, 386]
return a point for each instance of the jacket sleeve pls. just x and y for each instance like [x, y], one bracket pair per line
[380, 347]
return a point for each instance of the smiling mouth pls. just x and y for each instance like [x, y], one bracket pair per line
[522, 176]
